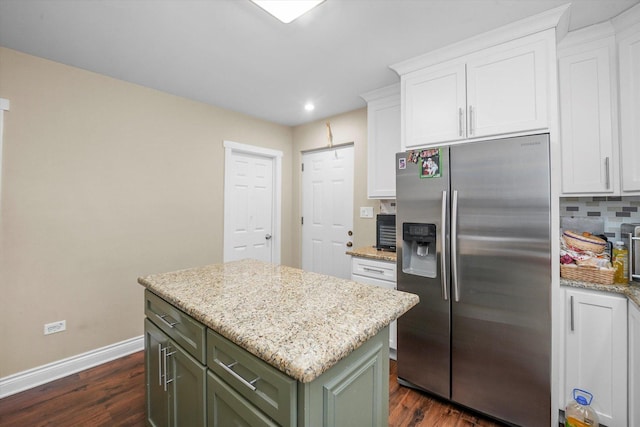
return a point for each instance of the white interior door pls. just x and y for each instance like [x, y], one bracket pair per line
[251, 204]
[327, 211]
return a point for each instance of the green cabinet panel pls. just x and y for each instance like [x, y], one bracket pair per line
[179, 326]
[354, 392]
[157, 398]
[226, 407]
[175, 382]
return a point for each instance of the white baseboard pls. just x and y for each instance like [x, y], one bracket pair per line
[52, 371]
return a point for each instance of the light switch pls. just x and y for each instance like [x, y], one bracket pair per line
[366, 212]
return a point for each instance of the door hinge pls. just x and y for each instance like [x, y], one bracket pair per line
[301, 220]
[302, 167]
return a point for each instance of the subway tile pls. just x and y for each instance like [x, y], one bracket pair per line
[623, 214]
[614, 199]
[572, 209]
[630, 209]
[599, 199]
[593, 214]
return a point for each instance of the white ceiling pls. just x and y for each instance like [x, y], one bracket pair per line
[232, 54]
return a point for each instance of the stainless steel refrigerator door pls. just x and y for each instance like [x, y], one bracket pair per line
[501, 324]
[424, 331]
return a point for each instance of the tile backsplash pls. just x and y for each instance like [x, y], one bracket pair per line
[613, 211]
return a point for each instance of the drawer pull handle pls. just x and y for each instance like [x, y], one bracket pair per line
[164, 317]
[227, 368]
[373, 270]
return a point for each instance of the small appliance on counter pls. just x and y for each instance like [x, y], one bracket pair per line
[386, 232]
[631, 236]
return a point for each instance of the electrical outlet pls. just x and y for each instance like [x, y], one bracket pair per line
[53, 327]
[366, 212]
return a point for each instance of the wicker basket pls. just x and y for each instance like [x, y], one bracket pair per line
[584, 243]
[587, 274]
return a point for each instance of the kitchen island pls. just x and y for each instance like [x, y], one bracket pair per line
[250, 343]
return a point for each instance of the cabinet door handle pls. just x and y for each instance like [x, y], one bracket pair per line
[571, 311]
[160, 367]
[164, 368]
[606, 169]
[460, 122]
[164, 317]
[470, 120]
[373, 270]
[249, 384]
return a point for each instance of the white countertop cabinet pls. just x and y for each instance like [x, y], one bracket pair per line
[377, 273]
[596, 351]
[586, 65]
[634, 365]
[494, 91]
[383, 141]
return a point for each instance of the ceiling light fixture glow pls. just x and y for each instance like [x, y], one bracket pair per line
[287, 10]
[309, 106]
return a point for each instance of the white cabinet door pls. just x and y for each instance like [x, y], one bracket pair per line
[634, 365]
[596, 352]
[507, 89]
[629, 54]
[383, 117]
[433, 105]
[588, 161]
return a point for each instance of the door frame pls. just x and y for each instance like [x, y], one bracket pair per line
[230, 148]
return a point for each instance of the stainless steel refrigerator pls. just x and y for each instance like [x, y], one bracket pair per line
[473, 241]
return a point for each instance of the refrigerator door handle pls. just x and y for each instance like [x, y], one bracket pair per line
[443, 253]
[454, 246]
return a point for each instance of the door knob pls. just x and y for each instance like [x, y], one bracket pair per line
[349, 244]
[350, 233]
[267, 236]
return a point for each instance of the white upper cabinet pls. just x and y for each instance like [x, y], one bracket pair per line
[383, 141]
[586, 66]
[628, 37]
[496, 91]
[497, 84]
[434, 103]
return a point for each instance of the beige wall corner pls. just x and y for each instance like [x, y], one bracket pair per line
[104, 181]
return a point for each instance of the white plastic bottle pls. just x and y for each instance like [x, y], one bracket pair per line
[579, 413]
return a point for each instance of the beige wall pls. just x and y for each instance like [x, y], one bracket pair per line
[347, 127]
[104, 181]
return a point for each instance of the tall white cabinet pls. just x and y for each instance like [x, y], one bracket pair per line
[383, 140]
[588, 87]
[596, 351]
[628, 37]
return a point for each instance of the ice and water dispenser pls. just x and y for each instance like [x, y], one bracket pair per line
[419, 249]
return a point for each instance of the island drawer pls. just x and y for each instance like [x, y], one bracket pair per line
[182, 328]
[264, 386]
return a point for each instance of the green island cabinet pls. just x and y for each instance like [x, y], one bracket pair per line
[196, 377]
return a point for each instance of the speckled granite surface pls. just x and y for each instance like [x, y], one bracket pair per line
[301, 323]
[632, 291]
[373, 253]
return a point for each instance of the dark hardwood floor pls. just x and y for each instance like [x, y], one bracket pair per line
[112, 394]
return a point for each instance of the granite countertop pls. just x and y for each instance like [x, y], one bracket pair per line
[301, 323]
[373, 253]
[632, 290]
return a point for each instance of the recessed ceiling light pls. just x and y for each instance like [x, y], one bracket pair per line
[309, 106]
[287, 10]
